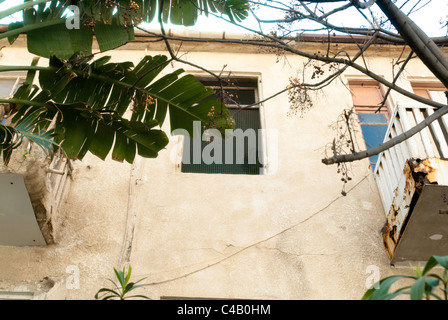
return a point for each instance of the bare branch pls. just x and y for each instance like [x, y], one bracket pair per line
[421, 44]
[395, 80]
[388, 144]
[279, 44]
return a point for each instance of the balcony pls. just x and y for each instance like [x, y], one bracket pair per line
[32, 190]
[412, 179]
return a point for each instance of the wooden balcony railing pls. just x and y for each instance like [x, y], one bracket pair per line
[401, 173]
[431, 142]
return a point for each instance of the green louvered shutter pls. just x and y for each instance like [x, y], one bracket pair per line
[246, 119]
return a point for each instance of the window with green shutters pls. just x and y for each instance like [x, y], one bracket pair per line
[239, 153]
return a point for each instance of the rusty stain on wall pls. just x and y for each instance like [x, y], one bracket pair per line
[416, 174]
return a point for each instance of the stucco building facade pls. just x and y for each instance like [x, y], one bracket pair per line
[284, 233]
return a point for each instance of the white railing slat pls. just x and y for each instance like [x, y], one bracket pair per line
[439, 137]
[424, 134]
[425, 144]
[400, 149]
[406, 125]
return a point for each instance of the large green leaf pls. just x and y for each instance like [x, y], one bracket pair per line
[51, 35]
[418, 289]
[112, 23]
[12, 26]
[186, 12]
[113, 35]
[60, 41]
[101, 107]
[442, 260]
[380, 291]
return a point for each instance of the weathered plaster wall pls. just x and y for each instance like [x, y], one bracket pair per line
[286, 235]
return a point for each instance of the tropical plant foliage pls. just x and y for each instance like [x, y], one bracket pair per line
[85, 104]
[426, 285]
[99, 106]
[121, 290]
[11, 137]
[110, 21]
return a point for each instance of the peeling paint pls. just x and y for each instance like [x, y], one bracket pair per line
[416, 174]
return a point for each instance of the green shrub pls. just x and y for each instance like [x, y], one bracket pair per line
[122, 290]
[426, 285]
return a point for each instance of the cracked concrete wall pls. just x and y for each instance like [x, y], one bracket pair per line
[287, 235]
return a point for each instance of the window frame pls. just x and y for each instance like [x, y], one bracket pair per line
[427, 86]
[386, 109]
[370, 83]
[262, 155]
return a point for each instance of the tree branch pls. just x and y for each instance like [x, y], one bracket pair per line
[383, 34]
[420, 43]
[395, 80]
[388, 144]
[277, 43]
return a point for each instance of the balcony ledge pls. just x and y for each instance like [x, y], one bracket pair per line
[33, 188]
[422, 231]
[412, 179]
